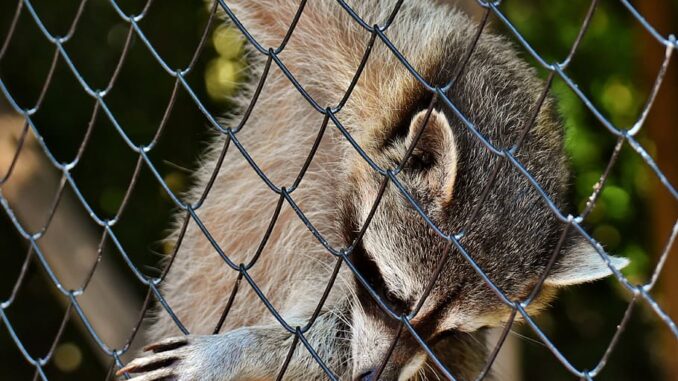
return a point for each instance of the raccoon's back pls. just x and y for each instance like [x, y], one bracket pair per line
[237, 214]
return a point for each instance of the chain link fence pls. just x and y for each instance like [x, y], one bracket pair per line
[638, 293]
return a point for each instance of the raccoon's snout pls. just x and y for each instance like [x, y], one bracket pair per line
[398, 368]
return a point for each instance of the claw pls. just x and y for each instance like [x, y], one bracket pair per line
[168, 378]
[156, 375]
[167, 344]
[148, 363]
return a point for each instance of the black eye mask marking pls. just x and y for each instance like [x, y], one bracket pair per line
[370, 271]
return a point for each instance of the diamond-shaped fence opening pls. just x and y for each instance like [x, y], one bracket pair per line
[132, 62]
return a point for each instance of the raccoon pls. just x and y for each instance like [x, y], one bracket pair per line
[511, 238]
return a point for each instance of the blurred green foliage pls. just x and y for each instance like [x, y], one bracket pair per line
[607, 68]
[581, 322]
[138, 100]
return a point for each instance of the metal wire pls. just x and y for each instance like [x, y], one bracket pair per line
[439, 95]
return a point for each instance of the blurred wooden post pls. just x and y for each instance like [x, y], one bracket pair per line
[70, 243]
[662, 128]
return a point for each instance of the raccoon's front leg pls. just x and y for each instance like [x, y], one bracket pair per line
[249, 353]
[215, 357]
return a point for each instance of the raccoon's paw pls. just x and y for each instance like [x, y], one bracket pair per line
[183, 358]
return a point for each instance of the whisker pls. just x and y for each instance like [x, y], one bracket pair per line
[529, 339]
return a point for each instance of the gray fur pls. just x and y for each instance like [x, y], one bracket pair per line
[511, 238]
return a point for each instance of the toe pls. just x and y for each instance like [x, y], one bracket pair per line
[157, 375]
[167, 344]
[149, 363]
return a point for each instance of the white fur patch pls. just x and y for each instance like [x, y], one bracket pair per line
[412, 367]
[582, 264]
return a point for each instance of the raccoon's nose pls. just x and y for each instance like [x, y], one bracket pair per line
[367, 376]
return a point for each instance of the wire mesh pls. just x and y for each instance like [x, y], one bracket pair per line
[377, 33]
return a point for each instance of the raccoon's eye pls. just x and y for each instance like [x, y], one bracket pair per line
[397, 304]
[370, 271]
[391, 297]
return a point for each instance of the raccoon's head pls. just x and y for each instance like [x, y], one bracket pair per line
[511, 239]
[512, 236]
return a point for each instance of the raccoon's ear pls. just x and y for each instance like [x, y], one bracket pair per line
[581, 263]
[436, 146]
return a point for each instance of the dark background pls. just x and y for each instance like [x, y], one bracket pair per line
[615, 67]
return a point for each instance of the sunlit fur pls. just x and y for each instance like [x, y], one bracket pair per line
[511, 238]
